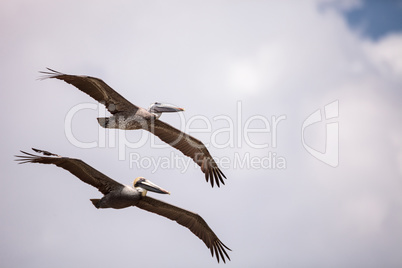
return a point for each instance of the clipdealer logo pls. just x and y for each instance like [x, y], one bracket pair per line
[331, 154]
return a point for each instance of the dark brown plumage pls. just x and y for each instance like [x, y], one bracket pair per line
[188, 219]
[77, 167]
[129, 116]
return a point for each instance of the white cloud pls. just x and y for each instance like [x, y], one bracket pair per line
[364, 215]
[386, 54]
[277, 58]
[343, 5]
[244, 76]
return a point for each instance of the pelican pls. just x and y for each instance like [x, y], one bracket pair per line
[119, 196]
[128, 116]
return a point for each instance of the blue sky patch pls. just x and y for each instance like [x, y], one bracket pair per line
[376, 18]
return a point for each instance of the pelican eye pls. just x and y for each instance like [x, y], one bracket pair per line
[139, 181]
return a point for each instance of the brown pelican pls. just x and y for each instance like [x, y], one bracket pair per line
[119, 196]
[126, 115]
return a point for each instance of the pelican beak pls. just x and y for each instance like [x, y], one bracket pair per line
[149, 186]
[165, 108]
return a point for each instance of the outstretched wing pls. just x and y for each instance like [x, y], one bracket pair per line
[190, 147]
[188, 219]
[77, 167]
[95, 88]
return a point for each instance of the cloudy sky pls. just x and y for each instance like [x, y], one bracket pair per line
[253, 77]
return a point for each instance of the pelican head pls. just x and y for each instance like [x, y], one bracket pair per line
[158, 108]
[145, 185]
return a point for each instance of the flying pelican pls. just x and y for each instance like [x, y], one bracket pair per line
[128, 116]
[119, 196]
